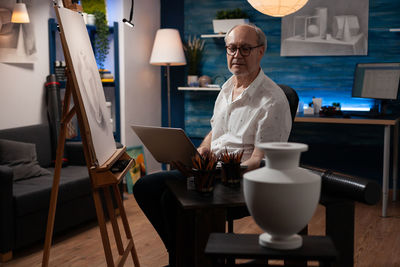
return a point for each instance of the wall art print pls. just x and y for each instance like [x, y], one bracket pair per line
[17, 40]
[327, 28]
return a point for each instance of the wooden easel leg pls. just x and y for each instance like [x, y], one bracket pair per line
[67, 116]
[113, 220]
[126, 224]
[103, 228]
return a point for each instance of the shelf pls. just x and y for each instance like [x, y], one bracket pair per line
[199, 88]
[215, 35]
[63, 84]
[395, 30]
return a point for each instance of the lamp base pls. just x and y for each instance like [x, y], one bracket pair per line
[290, 242]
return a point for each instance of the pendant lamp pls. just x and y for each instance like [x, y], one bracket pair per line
[277, 8]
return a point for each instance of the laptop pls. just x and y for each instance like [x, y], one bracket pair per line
[166, 144]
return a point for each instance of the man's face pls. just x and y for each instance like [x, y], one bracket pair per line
[244, 36]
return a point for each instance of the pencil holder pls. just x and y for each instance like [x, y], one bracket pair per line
[204, 180]
[231, 174]
[204, 171]
[231, 171]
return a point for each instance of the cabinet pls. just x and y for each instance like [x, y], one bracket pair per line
[111, 89]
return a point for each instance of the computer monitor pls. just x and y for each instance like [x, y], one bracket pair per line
[376, 80]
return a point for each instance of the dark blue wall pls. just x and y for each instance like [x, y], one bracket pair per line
[329, 77]
[172, 16]
[352, 149]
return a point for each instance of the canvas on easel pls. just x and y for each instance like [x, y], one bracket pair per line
[89, 83]
[106, 164]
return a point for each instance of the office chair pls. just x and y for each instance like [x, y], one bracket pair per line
[240, 212]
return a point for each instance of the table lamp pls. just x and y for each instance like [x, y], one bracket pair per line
[168, 51]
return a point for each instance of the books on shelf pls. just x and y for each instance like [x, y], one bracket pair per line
[106, 76]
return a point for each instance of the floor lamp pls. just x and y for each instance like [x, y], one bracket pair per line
[168, 51]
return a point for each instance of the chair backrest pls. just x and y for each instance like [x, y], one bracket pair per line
[292, 97]
[293, 100]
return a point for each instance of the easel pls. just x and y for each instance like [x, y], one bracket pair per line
[101, 176]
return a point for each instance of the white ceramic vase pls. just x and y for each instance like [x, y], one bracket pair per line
[281, 197]
[224, 25]
[193, 80]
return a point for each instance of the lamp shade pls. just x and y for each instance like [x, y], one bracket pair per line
[20, 14]
[277, 8]
[168, 49]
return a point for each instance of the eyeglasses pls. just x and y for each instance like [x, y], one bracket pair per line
[244, 50]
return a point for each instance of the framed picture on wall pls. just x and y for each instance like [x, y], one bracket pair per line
[17, 39]
[326, 28]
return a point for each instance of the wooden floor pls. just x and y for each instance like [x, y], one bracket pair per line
[377, 240]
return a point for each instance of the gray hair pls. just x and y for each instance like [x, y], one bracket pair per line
[261, 38]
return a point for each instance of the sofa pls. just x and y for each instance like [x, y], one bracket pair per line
[24, 203]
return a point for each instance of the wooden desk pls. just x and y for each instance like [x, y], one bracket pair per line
[245, 246]
[387, 122]
[198, 216]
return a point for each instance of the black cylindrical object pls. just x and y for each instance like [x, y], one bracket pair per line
[352, 187]
[53, 109]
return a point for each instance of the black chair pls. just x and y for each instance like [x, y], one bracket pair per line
[240, 212]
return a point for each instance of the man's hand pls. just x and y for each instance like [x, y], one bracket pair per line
[205, 146]
[203, 150]
[182, 168]
[254, 161]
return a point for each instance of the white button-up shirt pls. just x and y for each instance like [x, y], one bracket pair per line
[260, 114]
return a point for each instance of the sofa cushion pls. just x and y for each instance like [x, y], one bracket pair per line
[21, 158]
[34, 194]
[36, 134]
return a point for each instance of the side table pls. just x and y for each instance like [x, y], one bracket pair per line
[197, 217]
[221, 246]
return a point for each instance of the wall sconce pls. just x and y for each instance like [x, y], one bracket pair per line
[129, 22]
[20, 13]
[277, 8]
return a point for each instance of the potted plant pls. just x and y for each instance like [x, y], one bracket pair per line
[194, 51]
[226, 19]
[101, 44]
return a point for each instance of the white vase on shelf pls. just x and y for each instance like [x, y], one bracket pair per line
[224, 25]
[90, 19]
[281, 197]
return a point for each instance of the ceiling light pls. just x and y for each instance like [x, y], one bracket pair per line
[277, 8]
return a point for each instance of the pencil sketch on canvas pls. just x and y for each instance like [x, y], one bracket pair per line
[17, 40]
[89, 82]
[326, 28]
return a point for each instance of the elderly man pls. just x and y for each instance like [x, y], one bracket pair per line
[250, 109]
